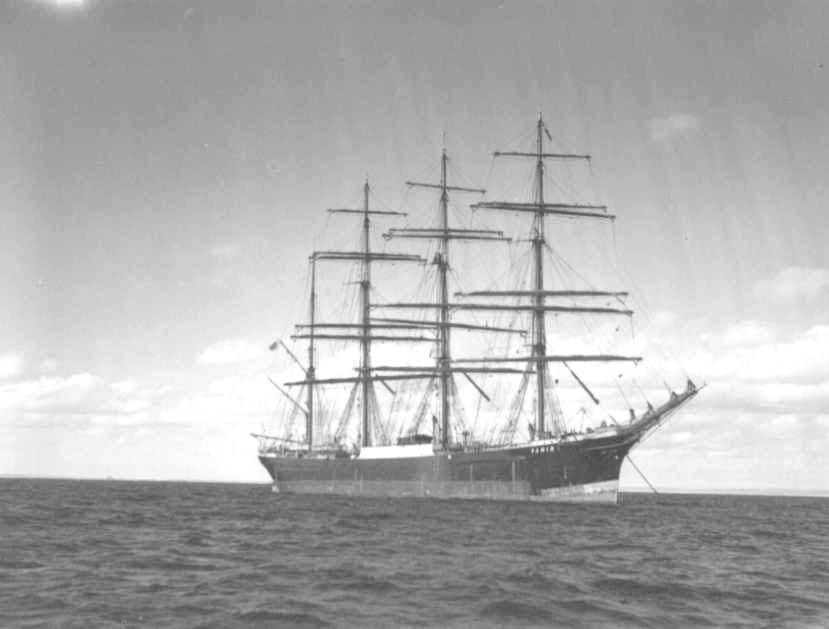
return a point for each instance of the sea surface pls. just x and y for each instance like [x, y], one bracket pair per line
[109, 553]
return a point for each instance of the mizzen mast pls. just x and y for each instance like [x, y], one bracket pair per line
[362, 331]
[310, 373]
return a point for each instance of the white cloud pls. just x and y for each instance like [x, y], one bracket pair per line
[77, 399]
[673, 125]
[230, 351]
[50, 365]
[794, 283]
[84, 400]
[10, 365]
[765, 399]
[803, 358]
[246, 400]
[756, 376]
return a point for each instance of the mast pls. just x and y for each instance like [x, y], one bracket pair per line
[365, 302]
[361, 331]
[443, 234]
[539, 306]
[444, 354]
[539, 349]
[310, 373]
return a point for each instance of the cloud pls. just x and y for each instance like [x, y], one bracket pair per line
[794, 283]
[85, 400]
[50, 365]
[10, 365]
[229, 352]
[769, 399]
[81, 398]
[244, 400]
[676, 124]
[756, 374]
[800, 359]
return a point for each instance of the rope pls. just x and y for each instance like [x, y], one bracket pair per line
[644, 478]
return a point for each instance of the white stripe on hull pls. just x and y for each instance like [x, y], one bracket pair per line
[491, 490]
[605, 491]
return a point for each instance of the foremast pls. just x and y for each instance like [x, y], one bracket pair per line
[539, 338]
[539, 357]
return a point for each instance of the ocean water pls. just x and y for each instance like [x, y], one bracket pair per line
[108, 553]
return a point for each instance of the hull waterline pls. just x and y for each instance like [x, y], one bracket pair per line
[584, 471]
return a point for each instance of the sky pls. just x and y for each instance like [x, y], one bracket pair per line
[165, 167]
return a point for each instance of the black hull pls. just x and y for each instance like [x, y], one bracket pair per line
[587, 469]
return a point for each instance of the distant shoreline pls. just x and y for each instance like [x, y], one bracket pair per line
[760, 492]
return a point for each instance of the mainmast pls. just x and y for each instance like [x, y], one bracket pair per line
[443, 234]
[442, 262]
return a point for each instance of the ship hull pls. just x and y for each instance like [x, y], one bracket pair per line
[578, 471]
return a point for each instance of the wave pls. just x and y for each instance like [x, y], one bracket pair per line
[224, 555]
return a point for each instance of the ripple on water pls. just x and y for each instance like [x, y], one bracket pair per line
[286, 619]
[508, 611]
[98, 553]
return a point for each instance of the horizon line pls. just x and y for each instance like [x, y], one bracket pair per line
[721, 491]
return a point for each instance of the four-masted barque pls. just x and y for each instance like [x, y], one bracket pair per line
[550, 461]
